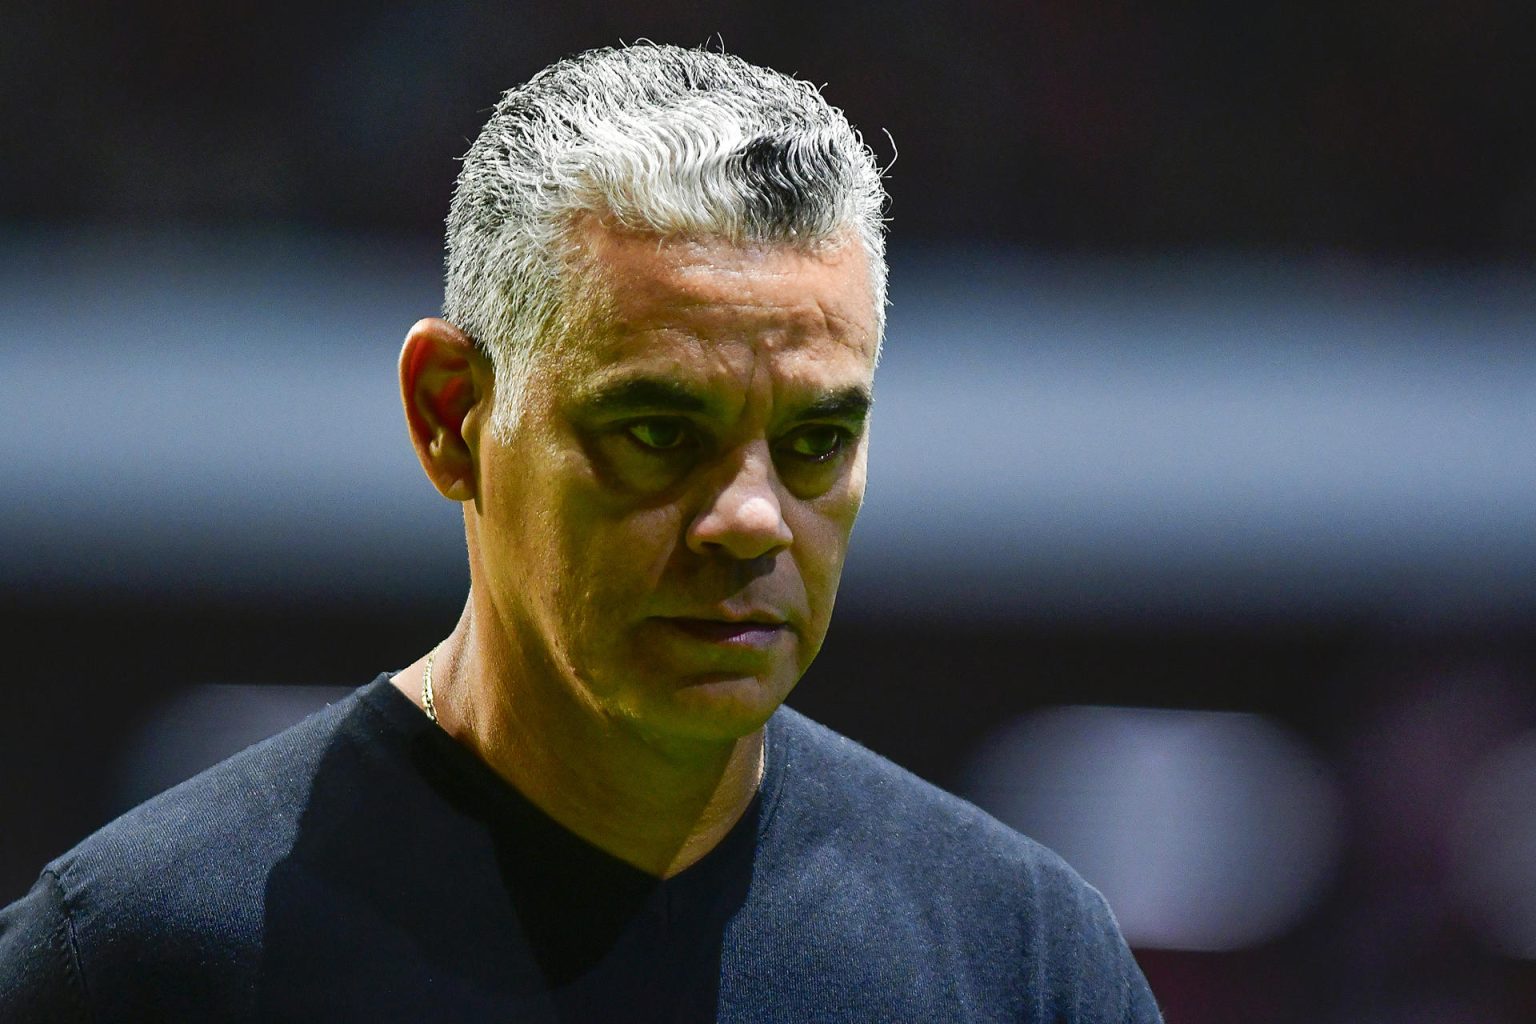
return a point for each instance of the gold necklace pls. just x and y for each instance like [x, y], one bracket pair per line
[426, 686]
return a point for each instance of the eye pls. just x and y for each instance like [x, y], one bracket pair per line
[818, 443]
[659, 435]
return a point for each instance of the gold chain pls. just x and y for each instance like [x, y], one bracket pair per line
[426, 686]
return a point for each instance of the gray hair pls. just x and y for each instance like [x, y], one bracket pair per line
[653, 138]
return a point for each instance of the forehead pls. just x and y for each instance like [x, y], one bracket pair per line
[693, 308]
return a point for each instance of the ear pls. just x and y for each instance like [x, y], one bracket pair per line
[443, 378]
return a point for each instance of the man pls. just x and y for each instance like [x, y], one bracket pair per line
[665, 296]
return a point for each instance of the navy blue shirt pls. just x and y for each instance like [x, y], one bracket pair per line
[364, 866]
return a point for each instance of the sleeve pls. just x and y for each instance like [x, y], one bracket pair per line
[1109, 968]
[40, 977]
[1090, 975]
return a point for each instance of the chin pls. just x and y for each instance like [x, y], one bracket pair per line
[717, 707]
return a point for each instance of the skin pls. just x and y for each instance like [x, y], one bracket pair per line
[656, 545]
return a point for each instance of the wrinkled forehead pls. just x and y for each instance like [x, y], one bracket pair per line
[628, 282]
[720, 322]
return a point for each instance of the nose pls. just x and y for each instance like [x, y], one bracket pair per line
[743, 517]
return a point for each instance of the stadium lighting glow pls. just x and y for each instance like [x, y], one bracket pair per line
[1204, 830]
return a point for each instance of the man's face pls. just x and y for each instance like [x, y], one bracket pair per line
[664, 530]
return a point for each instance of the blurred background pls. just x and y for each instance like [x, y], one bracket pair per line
[1199, 542]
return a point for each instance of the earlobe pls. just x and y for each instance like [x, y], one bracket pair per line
[442, 379]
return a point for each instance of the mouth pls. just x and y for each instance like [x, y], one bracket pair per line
[745, 633]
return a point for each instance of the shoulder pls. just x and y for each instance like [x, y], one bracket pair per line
[173, 891]
[902, 857]
[232, 817]
[864, 798]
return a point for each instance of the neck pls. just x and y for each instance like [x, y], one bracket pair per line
[658, 805]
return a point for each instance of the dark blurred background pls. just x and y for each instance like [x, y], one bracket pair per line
[1199, 541]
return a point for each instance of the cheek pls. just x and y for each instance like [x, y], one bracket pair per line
[614, 570]
[616, 561]
[821, 543]
[836, 510]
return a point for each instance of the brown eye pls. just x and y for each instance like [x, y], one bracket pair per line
[818, 444]
[659, 435]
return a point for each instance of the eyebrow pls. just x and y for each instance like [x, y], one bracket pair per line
[643, 394]
[850, 404]
[660, 394]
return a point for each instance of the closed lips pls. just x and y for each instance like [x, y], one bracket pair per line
[725, 629]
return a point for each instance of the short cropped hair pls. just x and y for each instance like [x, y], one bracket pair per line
[653, 138]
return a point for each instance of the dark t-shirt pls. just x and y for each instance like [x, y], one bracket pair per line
[364, 866]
